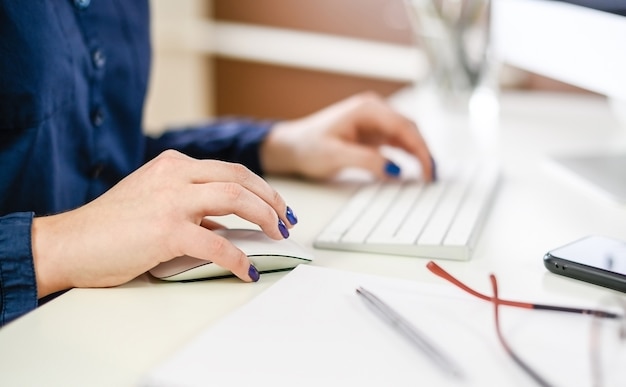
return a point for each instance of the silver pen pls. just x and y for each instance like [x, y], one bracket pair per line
[405, 327]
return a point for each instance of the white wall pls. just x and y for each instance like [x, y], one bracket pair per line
[180, 87]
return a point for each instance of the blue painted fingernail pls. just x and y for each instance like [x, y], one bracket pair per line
[291, 217]
[283, 229]
[392, 169]
[253, 273]
[434, 169]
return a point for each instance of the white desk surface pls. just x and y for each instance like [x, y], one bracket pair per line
[110, 337]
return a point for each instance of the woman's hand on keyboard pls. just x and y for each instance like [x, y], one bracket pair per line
[346, 134]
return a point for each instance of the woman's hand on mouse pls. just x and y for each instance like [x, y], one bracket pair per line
[346, 134]
[153, 215]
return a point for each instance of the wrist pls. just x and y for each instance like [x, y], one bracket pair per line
[277, 152]
[47, 245]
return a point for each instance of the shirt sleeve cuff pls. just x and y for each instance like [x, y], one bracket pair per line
[18, 287]
[229, 139]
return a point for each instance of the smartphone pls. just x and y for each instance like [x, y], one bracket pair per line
[595, 259]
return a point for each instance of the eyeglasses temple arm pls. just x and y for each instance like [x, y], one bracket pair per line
[518, 360]
[593, 312]
[439, 271]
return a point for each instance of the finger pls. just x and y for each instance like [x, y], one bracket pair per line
[239, 174]
[201, 243]
[225, 198]
[378, 120]
[205, 171]
[367, 158]
[409, 138]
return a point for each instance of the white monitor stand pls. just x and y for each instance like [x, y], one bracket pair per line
[577, 45]
[606, 172]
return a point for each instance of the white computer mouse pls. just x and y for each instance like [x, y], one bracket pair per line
[266, 254]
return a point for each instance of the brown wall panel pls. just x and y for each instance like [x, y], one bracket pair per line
[383, 20]
[275, 92]
[271, 91]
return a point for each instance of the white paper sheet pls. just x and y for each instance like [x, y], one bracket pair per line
[312, 329]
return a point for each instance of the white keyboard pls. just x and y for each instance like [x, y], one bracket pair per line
[437, 220]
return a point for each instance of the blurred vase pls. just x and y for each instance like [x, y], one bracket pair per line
[455, 37]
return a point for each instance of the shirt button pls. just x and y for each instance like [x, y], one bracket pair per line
[99, 60]
[97, 117]
[82, 4]
[96, 171]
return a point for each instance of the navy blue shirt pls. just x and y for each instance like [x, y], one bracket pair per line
[73, 79]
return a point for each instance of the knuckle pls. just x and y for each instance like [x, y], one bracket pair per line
[230, 258]
[269, 213]
[234, 191]
[368, 98]
[241, 261]
[166, 160]
[240, 172]
[219, 246]
[277, 199]
[170, 153]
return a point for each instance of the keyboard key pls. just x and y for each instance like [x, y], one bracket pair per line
[387, 229]
[371, 216]
[346, 218]
[474, 207]
[437, 220]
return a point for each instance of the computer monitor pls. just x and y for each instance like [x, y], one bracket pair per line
[579, 42]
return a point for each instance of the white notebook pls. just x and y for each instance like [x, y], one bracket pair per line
[312, 329]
